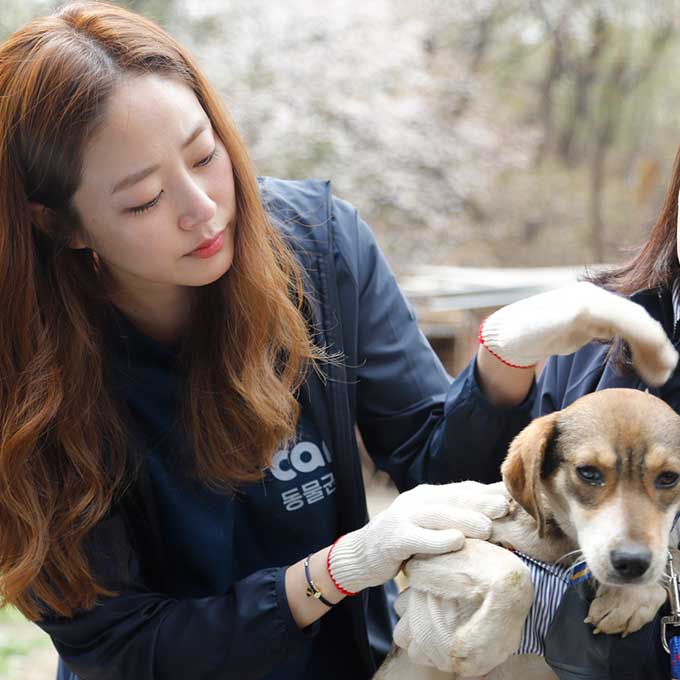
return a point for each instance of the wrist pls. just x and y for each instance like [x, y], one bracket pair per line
[305, 606]
[499, 383]
[319, 584]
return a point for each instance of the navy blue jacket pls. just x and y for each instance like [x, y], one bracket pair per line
[390, 384]
[571, 649]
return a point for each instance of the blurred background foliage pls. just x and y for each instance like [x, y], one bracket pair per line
[466, 132]
[478, 132]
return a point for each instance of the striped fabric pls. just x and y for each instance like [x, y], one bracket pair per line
[675, 297]
[550, 582]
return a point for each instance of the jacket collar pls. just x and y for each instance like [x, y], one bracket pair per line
[675, 298]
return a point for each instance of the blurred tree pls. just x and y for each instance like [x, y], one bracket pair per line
[595, 55]
[618, 82]
[465, 131]
[553, 72]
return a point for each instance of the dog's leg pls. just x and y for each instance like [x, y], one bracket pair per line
[485, 593]
[617, 609]
[397, 666]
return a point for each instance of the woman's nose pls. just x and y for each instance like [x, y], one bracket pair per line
[199, 209]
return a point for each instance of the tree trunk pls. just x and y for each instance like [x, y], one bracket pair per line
[596, 199]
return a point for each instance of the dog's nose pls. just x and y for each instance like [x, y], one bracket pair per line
[631, 562]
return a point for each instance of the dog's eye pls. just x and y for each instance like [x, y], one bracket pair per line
[590, 474]
[666, 480]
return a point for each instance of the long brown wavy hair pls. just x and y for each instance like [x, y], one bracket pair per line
[64, 447]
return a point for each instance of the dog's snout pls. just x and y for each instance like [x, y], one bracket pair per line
[631, 562]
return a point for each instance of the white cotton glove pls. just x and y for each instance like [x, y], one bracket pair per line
[428, 519]
[561, 321]
[463, 612]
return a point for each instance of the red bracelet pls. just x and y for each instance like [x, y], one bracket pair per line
[328, 569]
[480, 337]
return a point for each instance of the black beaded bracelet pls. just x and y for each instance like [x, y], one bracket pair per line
[312, 590]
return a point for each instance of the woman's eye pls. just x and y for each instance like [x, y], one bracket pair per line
[666, 480]
[208, 159]
[146, 206]
[590, 475]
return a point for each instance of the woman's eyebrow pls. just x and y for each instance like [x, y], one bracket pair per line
[138, 176]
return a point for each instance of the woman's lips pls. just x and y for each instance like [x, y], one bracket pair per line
[211, 247]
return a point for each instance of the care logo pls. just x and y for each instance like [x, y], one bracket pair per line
[304, 457]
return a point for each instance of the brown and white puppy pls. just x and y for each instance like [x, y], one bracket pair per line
[600, 476]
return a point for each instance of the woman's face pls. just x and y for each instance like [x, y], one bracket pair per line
[157, 183]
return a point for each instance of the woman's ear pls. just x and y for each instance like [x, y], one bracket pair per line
[77, 243]
[41, 217]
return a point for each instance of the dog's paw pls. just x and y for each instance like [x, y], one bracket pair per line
[624, 610]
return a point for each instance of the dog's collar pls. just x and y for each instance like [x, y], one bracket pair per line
[570, 575]
[579, 572]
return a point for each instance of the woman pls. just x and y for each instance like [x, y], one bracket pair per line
[498, 395]
[186, 349]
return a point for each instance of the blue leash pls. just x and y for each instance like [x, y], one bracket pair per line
[672, 645]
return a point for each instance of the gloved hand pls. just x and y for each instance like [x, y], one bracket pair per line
[463, 612]
[561, 321]
[427, 519]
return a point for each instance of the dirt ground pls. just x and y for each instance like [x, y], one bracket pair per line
[26, 653]
[38, 665]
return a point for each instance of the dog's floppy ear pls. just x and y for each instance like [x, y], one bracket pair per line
[521, 468]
